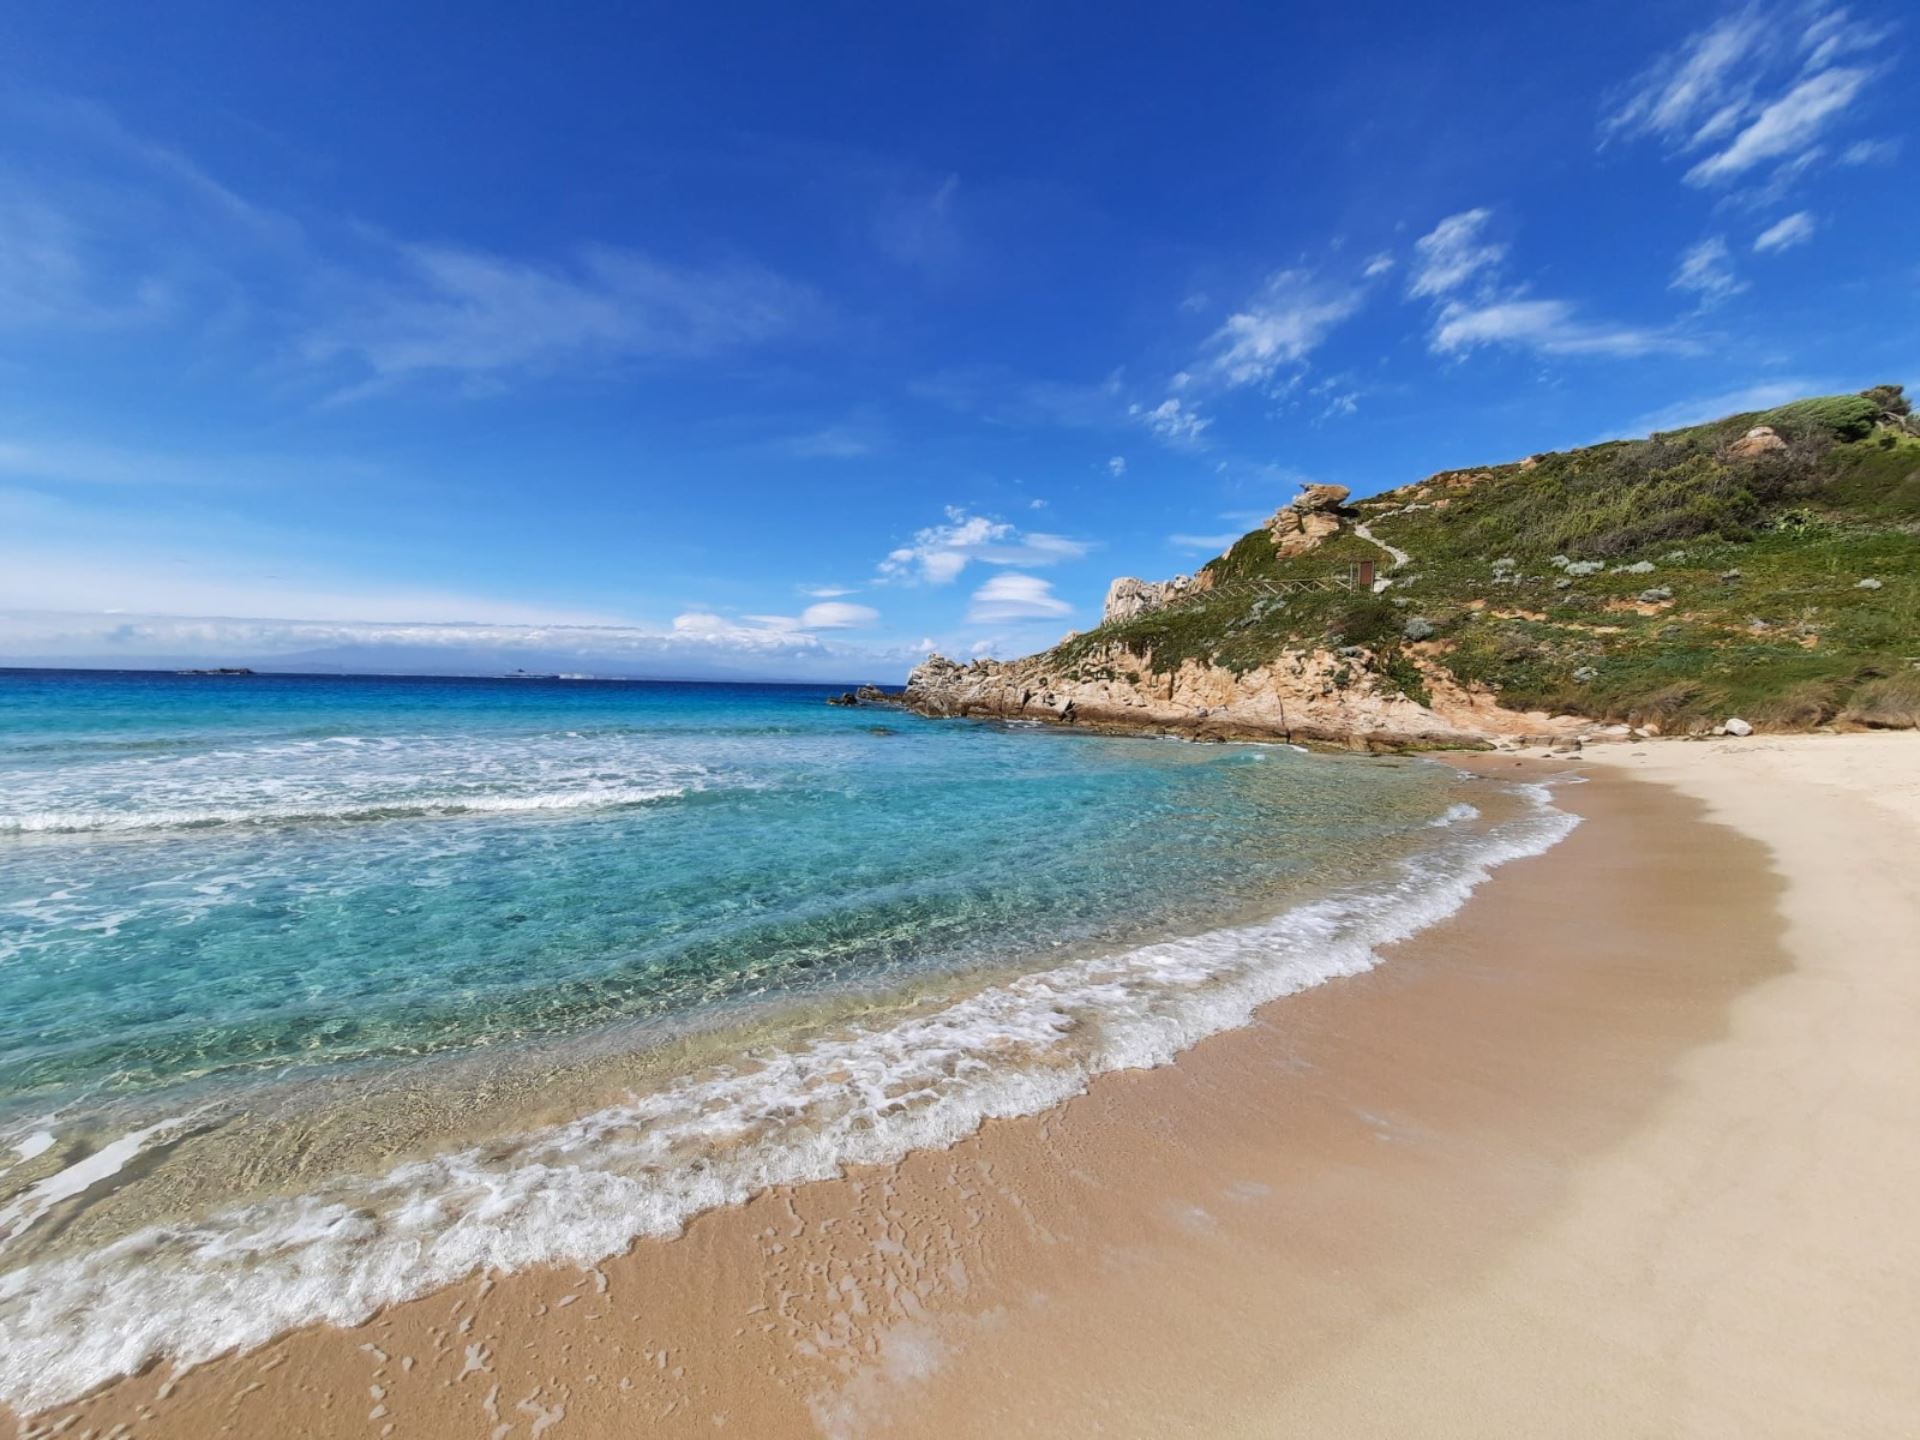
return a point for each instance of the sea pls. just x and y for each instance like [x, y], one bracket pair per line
[318, 993]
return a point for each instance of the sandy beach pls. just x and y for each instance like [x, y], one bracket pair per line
[1623, 1148]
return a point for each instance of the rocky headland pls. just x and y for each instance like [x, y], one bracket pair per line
[1760, 572]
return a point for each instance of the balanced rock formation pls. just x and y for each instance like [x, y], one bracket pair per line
[1307, 519]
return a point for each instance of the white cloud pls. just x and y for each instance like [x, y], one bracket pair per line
[1787, 126]
[1174, 422]
[1210, 544]
[1706, 270]
[837, 615]
[1550, 327]
[826, 592]
[128, 231]
[1347, 402]
[465, 312]
[1835, 34]
[1702, 86]
[1283, 324]
[1871, 152]
[1013, 596]
[1452, 253]
[1763, 395]
[1760, 86]
[1796, 229]
[938, 553]
[1117, 466]
[828, 615]
[51, 274]
[835, 442]
[697, 643]
[1377, 266]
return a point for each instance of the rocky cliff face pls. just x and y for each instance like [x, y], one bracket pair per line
[1319, 696]
[1128, 597]
[1312, 696]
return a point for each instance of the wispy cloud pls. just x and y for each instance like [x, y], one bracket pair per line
[1284, 322]
[1452, 253]
[1870, 152]
[1173, 421]
[1699, 90]
[1015, 597]
[1786, 127]
[1760, 86]
[1209, 544]
[696, 642]
[133, 232]
[1706, 270]
[52, 274]
[834, 442]
[1795, 229]
[1551, 327]
[1116, 465]
[938, 554]
[827, 615]
[465, 312]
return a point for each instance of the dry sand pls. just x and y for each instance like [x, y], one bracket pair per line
[1626, 1148]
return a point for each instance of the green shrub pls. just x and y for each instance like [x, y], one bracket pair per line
[1842, 417]
[1365, 620]
[1889, 399]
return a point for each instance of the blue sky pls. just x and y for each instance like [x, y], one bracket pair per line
[793, 341]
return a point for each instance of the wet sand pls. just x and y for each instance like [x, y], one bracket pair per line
[1624, 1148]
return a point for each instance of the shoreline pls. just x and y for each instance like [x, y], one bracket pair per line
[1257, 1229]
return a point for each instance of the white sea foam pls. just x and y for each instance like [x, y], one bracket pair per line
[590, 797]
[585, 1190]
[346, 778]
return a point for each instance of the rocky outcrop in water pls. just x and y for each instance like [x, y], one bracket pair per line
[1320, 697]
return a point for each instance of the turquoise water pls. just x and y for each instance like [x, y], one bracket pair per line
[401, 978]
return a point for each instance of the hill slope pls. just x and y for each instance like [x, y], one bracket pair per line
[1765, 566]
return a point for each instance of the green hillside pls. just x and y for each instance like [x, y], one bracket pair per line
[1677, 579]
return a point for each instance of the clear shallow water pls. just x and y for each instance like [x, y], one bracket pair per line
[315, 993]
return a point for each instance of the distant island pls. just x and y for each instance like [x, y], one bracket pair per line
[218, 670]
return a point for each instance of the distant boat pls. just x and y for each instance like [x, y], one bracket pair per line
[221, 670]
